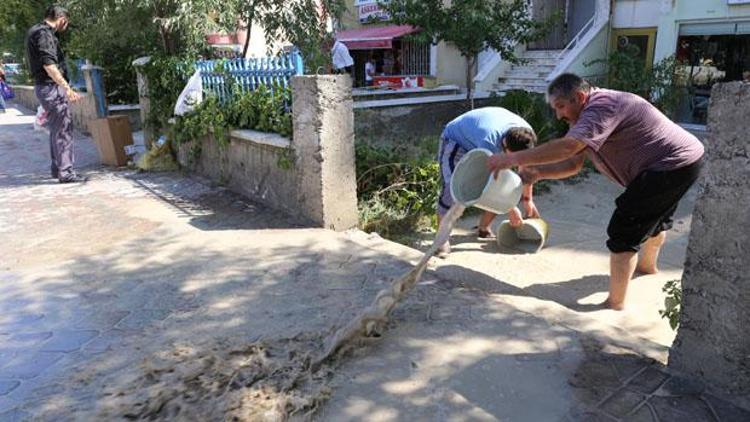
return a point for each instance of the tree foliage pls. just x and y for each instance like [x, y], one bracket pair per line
[113, 33]
[658, 84]
[16, 17]
[472, 26]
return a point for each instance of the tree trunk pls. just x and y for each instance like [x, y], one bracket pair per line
[250, 18]
[470, 63]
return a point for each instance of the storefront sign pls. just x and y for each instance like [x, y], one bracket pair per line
[738, 1]
[373, 12]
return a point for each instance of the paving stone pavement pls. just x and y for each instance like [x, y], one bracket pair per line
[95, 278]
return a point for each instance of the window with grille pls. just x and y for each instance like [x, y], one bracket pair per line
[415, 58]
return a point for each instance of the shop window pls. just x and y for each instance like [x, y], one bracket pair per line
[705, 60]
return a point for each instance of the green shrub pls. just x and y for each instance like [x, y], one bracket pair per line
[396, 194]
[263, 109]
[672, 303]
[166, 77]
[533, 108]
[659, 84]
[398, 184]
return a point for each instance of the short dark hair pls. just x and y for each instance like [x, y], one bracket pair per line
[519, 138]
[55, 12]
[566, 84]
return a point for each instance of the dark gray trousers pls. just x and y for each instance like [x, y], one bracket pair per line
[60, 124]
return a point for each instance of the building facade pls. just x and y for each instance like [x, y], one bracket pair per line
[709, 38]
[369, 33]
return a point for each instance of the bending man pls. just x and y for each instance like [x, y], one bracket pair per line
[633, 144]
[492, 128]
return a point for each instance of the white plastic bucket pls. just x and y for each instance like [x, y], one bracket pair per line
[472, 184]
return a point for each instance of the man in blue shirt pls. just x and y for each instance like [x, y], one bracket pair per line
[492, 128]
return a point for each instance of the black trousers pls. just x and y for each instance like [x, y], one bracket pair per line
[647, 206]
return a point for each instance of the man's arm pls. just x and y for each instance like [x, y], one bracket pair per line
[56, 76]
[552, 152]
[561, 170]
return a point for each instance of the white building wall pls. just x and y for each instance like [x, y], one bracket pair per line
[637, 13]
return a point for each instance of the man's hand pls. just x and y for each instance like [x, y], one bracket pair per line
[531, 211]
[499, 162]
[72, 95]
[515, 218]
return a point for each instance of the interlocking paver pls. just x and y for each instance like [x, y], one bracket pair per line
[677, 409]
[15, 415]
[106, 341]
[155, 260]
[68, 340]
[648, 381]
[643, 414]
[8, 386]
[25, 341]
[30, 366]
[142, 318]
[679, 386]
[622, 403]
[9, 321]
[100, 320]
[726, 411]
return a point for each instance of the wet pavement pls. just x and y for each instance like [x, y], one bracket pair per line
[96, 278]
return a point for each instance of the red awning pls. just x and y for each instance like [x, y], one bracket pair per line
[371, 38]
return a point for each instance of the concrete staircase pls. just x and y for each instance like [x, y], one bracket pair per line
[530, 76]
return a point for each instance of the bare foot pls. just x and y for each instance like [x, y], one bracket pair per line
[646, 269]
[607, 304]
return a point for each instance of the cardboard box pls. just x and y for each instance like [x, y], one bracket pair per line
[111, 134]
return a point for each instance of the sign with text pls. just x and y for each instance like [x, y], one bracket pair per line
[372, 12]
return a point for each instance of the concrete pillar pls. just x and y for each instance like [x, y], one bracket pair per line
[323, 145]
[148, 131]
[713, 340]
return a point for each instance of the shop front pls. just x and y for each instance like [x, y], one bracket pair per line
[710, 52]
[397, 61]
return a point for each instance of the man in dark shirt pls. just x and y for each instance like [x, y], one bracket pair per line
[47, 65]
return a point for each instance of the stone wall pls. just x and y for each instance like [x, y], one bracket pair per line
[311, 177]
[82, 111]
[713, 341]
[252, 164]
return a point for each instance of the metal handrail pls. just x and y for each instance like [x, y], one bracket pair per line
[584, 30]
[590, 29]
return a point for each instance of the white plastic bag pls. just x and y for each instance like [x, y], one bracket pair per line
[40, 121]
[191, 95]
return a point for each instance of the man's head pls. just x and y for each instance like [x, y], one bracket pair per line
[567, 95]
[519, 139]
[57, 17]
[746, 76]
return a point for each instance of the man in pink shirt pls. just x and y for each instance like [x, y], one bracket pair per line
[636, 146]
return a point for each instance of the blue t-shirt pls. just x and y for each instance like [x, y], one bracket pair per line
[482, 128]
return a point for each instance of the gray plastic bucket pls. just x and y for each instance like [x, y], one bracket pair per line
[529, 238]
